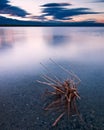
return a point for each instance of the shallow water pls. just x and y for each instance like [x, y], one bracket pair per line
[21, 51]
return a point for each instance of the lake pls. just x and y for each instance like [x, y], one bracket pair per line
[23, 49]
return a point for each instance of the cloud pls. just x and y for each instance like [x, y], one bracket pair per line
[60, 12]
[55, 4]
[98, 0]
[5, 8]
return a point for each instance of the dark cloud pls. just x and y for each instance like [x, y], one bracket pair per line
[98, 1]
[5, 8]
[55, 4]
[62, 13]
[56, 12]
[3, 2]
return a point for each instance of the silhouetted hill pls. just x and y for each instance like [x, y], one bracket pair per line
[13, 22]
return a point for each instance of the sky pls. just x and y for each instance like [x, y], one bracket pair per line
[53, 10]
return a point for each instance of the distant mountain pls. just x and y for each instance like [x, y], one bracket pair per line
[13, 22]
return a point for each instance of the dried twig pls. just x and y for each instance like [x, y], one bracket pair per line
[65, 93]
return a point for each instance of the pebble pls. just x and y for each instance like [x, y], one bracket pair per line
[3, 105]
[37, 118]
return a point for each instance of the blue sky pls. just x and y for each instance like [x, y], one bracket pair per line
[53, 10]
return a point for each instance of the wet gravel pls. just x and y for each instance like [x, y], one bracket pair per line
[21, 104]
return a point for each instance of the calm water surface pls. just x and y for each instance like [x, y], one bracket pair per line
[21, 51]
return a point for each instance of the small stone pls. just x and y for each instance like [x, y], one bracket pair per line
[37, 118]
[3, 105]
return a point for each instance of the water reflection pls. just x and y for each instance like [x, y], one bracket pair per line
[30, 46]
[8, 37]
[56, 36]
